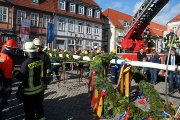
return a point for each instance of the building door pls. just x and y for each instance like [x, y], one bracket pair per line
[60, 44]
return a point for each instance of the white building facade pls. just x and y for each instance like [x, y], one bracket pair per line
[81, 28]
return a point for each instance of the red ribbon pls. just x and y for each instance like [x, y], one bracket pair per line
[143, 101]
[127, 114]
[102, 94]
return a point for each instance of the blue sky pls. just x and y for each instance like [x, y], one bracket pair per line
[130, 7]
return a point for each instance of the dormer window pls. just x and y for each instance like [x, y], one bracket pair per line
[62, 5]
[72, 7]
[81, 10]
[97, 14]
[35, 1]
[89, 12]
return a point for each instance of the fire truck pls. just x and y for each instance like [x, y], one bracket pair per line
[132, 42]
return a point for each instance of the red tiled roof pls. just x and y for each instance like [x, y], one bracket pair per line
[177, 18]
[45, 5]
[116, 16]
[90, 2]
[52, 6]
[156, 29]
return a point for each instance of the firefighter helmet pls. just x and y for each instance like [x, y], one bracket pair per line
[37, 41]
[85, 52]
[11, 44]
[113, 51]
[30, 50]
[98, 51]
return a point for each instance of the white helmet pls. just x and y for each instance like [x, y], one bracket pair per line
[37, 41]
[30, 50]
[29, 47]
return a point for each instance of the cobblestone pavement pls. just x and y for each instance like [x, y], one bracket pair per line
[68, 103]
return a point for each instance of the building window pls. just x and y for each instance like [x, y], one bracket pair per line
[3, 14]
[35, 1]
[88, 28]
[71, 25]
[20, 16]
[89, 12]
[78, 42]
[62, 5]
[71, 44]
[88, 45]
[80, 27]
[81, 10]
[96, 30]
[46, 19]
[61, 24]
[72, 7]
[34, 19]
[97, 14]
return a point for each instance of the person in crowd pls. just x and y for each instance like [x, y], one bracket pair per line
[174, 59]
[47, 63]
[30, 74]
[9, 49]
[141, 54]
[168, 39]
[155, 58]
[148, 38]
[144, 70]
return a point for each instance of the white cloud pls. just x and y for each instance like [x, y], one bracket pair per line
[137, 6]
[115, 5]
[166, 14]
[126, 8]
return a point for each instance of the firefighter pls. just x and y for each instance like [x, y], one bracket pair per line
[47, 63]
[30, 74]
[97, 52]
[114, 70]
[148, 38]
[9, 49]
[55, 65]
[86, 65]
[168, 39]
[5, 80]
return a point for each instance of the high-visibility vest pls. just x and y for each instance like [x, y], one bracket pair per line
[31, 90]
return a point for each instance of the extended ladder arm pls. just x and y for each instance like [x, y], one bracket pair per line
[141, 20]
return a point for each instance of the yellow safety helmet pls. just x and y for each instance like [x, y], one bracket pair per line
[113, 51]
[85, 52]
[65, 51]
[98, 51]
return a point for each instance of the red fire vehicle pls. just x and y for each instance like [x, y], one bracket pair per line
[132, 41]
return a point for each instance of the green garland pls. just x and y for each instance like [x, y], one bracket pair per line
[115, 103]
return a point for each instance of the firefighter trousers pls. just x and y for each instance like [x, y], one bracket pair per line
[32, 104]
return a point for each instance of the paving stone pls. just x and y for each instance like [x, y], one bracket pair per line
[68, 103]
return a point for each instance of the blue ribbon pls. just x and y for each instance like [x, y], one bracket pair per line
[139, 95]
[113, 116]
[122, 116]
[166, 115]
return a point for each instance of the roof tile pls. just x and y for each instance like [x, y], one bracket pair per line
[52, 6]
[177, 18]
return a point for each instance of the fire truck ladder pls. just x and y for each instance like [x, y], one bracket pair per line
[145, 13]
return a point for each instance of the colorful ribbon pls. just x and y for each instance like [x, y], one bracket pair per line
[143, 101]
